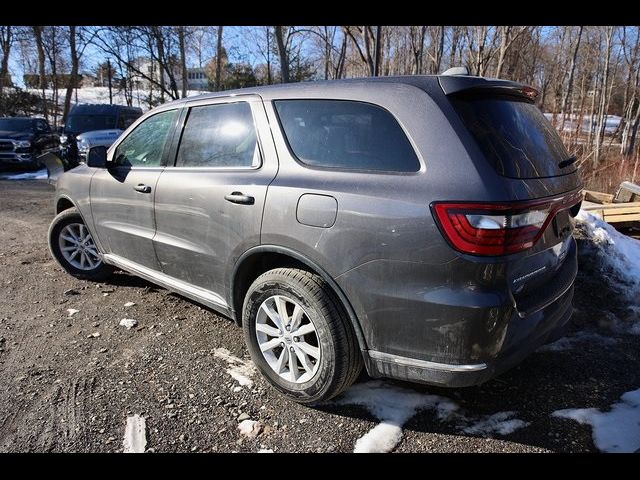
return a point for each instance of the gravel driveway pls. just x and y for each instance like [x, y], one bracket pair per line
[71, 375]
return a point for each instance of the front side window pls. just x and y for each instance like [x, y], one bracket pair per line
[346, 135]
[221, 135]
[143, 147]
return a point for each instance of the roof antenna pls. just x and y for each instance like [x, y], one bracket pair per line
[456, 71]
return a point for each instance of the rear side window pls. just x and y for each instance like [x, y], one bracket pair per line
[221, 135]
[346, 135]
[514, 135]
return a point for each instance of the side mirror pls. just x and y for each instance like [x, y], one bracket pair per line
[97, 157]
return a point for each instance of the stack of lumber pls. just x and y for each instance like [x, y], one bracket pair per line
[623, 207]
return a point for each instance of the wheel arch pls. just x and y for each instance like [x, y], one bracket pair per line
[257, 260]
[64, 203]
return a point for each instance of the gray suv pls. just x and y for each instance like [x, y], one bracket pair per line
[419, 226]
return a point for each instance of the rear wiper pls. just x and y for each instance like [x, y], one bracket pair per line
[568, 161]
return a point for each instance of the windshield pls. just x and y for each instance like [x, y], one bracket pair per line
[85, 123]
[514, 135]
[16, 124]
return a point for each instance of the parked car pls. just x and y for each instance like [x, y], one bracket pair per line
[419, 226]
[23, 139]
[95, 138]
[85, 118]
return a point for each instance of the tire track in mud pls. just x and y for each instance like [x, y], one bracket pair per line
[58, 421]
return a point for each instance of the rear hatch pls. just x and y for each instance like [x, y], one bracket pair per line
[522, 146]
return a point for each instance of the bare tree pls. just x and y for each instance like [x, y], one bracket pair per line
[219, 57]
[6, 41]
[283, 54]
[183, 60]
[37, 34]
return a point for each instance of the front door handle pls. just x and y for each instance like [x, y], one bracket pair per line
[142, 188]
[238, 197]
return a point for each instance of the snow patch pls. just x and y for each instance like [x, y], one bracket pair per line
[616, 431]
[501, 423]
[37, 175]
[101, 95]
[393, 406]
[620, 253]
[135, 434]
[619, 256]
[239, 369]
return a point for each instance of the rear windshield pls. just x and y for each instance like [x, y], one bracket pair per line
[87, 123]
[514, 135]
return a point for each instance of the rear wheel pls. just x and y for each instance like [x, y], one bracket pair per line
[73, 247]
[299, 336]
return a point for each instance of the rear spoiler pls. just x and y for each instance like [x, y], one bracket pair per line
[468, 84]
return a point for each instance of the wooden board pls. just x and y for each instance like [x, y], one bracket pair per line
[597, 197]
[614, 212]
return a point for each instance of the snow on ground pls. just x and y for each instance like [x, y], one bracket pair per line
[501, 423]
[393, 406]
[37, 175]
[135, 434]
[615, 431]
[612, 122]
[101, 95]
[620, 258]
[240, 370]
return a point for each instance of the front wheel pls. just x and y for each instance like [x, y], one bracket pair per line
[299, 336]
[73, 247]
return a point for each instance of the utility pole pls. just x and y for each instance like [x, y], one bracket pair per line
[109, 79]
[377, 49]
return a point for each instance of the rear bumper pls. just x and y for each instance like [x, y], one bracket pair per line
[550, 323]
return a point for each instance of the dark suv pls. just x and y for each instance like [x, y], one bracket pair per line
[109, 120]
[23, 140]
[418, 225]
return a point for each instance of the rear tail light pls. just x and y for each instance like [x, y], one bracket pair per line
[498, 228]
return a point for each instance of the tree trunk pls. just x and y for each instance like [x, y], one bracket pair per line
[37, 33]
[218, 84]
[572, 69]
[183, 62]
[73, 52]
[160, 54]
[341, 58]
[604, 97]
[282, 52]
[6, 40]
[377, 48]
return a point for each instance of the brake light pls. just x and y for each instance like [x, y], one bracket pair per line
[498, 228]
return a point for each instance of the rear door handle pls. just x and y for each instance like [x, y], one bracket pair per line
[238, 197]
[142, 188]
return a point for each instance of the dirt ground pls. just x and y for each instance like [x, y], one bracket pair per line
[68, 383]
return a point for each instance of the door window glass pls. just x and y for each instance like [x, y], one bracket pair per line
[221, 135]
[143, 147]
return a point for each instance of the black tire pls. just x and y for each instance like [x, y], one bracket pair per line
[64, 218]
[341, 360]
